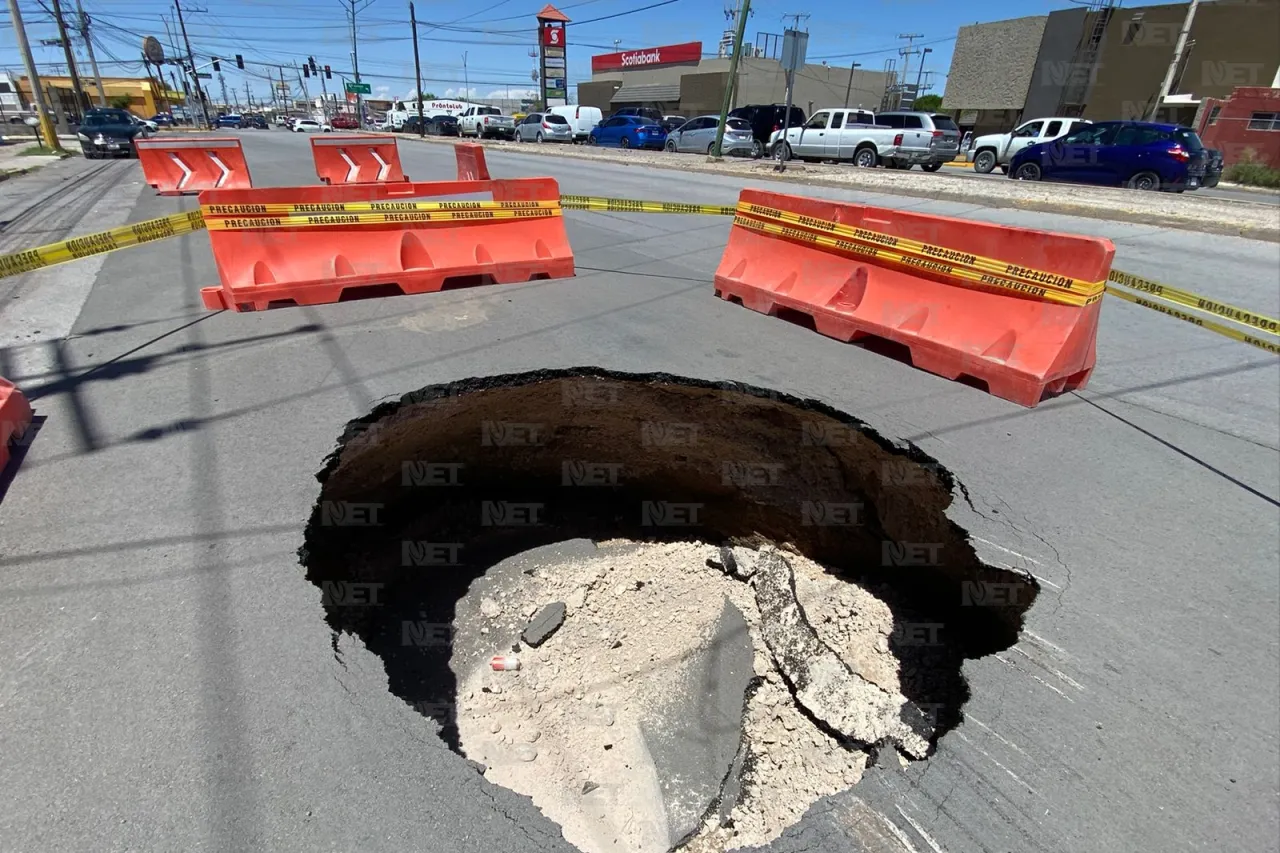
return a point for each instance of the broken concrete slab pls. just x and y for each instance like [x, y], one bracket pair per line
[823, 684]
[545, 623]
[695, 739]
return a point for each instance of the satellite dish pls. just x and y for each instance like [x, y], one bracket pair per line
[152, 50]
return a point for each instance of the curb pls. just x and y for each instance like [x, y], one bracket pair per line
[1248, 232]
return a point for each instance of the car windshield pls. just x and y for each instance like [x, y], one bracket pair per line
[93, 119]
[942, 122]
[551, 118]
[1087, 135]
[737, 124]
[488, 111]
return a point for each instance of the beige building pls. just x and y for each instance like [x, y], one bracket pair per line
[146, 97]
[697, 86]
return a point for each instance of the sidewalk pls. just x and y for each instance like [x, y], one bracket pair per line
[15, 161]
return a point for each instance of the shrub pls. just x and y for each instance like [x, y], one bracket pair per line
[1252, 174]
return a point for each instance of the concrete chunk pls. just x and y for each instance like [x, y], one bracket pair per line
[544, 623]
[823, 684]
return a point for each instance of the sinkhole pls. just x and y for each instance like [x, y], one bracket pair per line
[673, 612]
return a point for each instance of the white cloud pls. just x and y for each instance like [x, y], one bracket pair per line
[460, 92]
[382, 91]
[514, 93]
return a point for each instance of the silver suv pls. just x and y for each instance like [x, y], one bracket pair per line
[946, 136]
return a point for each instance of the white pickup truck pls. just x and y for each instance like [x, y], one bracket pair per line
[484, 122]
[862, 138]
[997, 149]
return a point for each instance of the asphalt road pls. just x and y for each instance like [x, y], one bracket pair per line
[169, 683]
[1272, 197]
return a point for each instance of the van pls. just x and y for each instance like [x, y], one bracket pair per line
[581, 119]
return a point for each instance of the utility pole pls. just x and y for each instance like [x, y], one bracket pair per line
[919, 74]
[248, 98]
[1177, 59]
[733, 72]
[906, 53]
[37, 93]
[466, 81]
[853, 66]
[355, 63]
[93, 60]
[417, 70]
[82, 100]
[324, 99]
[222, 81]
[303, 83]
[191, 57]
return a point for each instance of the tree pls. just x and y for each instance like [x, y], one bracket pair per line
[428, 96]
[928, 103]
[121, 102]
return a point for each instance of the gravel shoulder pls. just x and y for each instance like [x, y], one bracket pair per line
[1187, 211]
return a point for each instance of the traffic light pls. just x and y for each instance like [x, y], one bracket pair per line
[217, 66]
[312, 60]
[239, 61]
[328, 75]
[306, 70]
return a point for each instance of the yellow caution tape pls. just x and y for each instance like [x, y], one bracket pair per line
[1227, 331]
[211, 210]
[252, 222]
[100, 243]
[1192, 300]
[940, 255]
[963, 273]
[628, 205]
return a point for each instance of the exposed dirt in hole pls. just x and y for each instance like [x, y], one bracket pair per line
[616, 673]
[426, 494]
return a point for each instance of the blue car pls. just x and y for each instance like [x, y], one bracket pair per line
[628, 132]
[230, 121]
[1139, 155]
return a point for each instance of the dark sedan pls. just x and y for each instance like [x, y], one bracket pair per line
[442, 125]
[109, 133]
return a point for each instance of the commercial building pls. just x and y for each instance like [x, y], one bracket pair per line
[677, 80]
[1245, 126]
[146, 97]
[1106, 62]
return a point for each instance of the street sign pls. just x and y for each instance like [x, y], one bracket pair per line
[795, 45]
[555, 93]
[152, 50]
[359, 88]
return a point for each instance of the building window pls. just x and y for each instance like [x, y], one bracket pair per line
[5, 88]
[1264, 121]
[1213, 115]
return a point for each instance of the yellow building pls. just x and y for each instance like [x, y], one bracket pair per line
[146, 97]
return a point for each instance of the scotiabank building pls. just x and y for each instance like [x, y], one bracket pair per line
[677, 79]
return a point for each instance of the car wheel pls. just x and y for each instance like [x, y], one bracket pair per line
[670, 146]
[865, 158]
[757, 149]
[931, 167]
[591, 139]
[1147, 181]
[624, 142]
[782, 151]
[984, 162]
[538, 137]
[1027, 172]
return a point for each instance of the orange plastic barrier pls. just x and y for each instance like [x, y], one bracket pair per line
[357, 159]
[176, 166]
[265, 260]
[1021, 345]
[15, 417]
[471, 164]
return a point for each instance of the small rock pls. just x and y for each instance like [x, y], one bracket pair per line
[531, 736]
[495, 727]
[545, 623]
[490, 608]
[617, 644]
[882, 644]
[526, 751]
[576, 599]
[588, 787]
[620, 590]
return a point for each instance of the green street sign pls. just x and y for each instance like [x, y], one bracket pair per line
[359, 88]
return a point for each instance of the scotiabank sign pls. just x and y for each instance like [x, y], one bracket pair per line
[647, 57]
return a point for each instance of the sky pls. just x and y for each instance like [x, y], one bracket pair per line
[494, 36]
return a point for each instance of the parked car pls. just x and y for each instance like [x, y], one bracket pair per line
[650, 113]
[698, 136]
[258, 123]
[856, 136]
[766, 120]
[163, 120]
[628, 132]
[485, 122]
[109, 133]
[1212, 168]
[544, 127]
[344, 121]
[442, 125]
[670, 123]
[944, 138]
[147, 123]
[284, 120]
[229, 121]
[310, 125]
[582, 120]
[1139, 155]
[997, 149]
